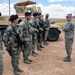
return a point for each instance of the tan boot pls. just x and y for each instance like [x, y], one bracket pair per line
[27, 62]
[19, 70]
[16, 73]
[67, 59]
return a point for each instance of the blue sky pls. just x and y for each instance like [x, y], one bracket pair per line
[56, 8]
[45, 2]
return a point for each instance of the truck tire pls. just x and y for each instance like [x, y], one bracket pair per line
[53, 34]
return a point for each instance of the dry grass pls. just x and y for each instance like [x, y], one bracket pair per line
[60, 22]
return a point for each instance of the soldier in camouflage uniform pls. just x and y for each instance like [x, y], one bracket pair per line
[37, 26]
[1, 58]
[32, 36]
[41, 30]
[46, 28]
[26, 36]
[69, 35]
[35, 35]
[11, 42]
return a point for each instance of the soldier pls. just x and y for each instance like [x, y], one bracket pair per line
[1, 58]
[69, 35]
[11, 41]
[35, 35]
[41, 23]
[26, 36]
[37, 26]
[46, 28]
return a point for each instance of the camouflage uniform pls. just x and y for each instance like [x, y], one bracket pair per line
[9, 39]
[34, 38]
[46, 28]
[41, 27]
[1, 58]
[26, 36]
[36, 35]
[41, 23]
[69, 35]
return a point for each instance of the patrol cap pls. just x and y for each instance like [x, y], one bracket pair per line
[27, 13]
[35, 14]
[47, 14]
[13, 17]
[39, 13]
[69, 15]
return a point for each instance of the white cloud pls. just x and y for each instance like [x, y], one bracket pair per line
[55, 11]
[5, 9]
[59, 0]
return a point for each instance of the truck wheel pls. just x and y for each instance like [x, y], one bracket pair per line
[53, 35]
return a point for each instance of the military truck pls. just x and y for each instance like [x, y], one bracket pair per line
[21, 8]
[54, 32]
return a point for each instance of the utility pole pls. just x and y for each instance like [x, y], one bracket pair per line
[9, 7]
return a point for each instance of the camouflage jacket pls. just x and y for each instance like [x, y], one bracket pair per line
[9, 36]
[35, 24]
[46, 24]
[41, 23]
[25, 30]
[69, 30]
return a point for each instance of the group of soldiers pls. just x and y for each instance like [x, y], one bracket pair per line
[26, 36]
[30, 34]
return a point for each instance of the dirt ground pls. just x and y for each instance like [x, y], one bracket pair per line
[48, 62]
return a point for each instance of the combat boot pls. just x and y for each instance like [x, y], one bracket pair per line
[67, 59]
[39, 49]
[44, 43]
[27, 61]
[19, 70]
[34, 54]
[41, 46]
[16, 72]
[30, 60]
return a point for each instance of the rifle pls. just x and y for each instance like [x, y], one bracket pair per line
[9, 51]
[18, 40]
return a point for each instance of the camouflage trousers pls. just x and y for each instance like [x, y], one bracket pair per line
[31, 43]
[68, 46]
[26, 52]
[15, 57]
[34, 42]
[45, 35]
[1, 63]
[41, 38]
